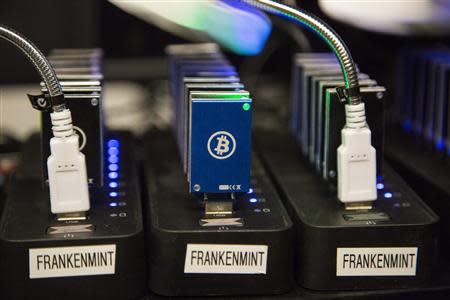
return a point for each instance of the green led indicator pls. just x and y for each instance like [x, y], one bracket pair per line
[246, 106]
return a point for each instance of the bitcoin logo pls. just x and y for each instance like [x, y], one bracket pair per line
[221, 145]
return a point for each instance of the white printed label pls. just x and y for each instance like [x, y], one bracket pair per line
[376, 261]
[226, 259]
[72, 261]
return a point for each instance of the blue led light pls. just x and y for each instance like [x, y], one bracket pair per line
[440, 145]
[113, 143]
[407, 126]
[113, 151]
[113, 184]
[380, 186]
[250, 190]
[113, 175]
[379, 177]
[113, 194]
[113, 204]
[253, 200]
[113, 159]
[113, 167]
[388, 195]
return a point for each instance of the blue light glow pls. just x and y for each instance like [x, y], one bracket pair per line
[380, 186]
[113, 194]
[113, 204]
[113, 175]
[113, 167]
[113, 143]
[113, 159]
[388, 195]
[379, 178]
[250, 190]
[113, 184]
[440, 145]
[253, 200]
[407, 126]
[113, 151]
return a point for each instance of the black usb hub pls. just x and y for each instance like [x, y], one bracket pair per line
[101, 257]
[394, 245]
[249, 252]
[427, 170]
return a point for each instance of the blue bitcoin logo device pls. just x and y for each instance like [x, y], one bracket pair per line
[220, 143]
[212, 120]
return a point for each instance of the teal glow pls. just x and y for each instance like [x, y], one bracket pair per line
[239, 28]
[234, 25]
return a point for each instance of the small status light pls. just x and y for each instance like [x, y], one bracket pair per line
[388, 195]
[113, 167]
[253, 200]
[113, 159]
[246, 106]
[113, 194]
[380, 186]
[113, 175]
[250, 190]
[113, 204]
[440, 145]
[113, 184]
[407, 126]
[113, 143]
[379, 177]
[113, 151]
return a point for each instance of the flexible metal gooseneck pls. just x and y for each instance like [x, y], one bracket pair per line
[351, 93]
[41, 64]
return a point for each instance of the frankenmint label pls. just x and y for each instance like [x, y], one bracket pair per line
[72, 261]
[226, 259]
[376, 261]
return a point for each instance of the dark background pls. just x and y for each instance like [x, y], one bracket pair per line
[86, 23]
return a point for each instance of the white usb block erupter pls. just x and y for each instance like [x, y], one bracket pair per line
[356, 159]
[66, 168]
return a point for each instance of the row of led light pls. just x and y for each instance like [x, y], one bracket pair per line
[380, 186]
[113, 173]
[252, 200]
[386, 195]
[113, 151]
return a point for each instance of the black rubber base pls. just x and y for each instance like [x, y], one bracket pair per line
[399, 219]
[26, 224]
[175, 224]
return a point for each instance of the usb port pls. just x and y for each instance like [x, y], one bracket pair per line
[76, 216]
[70, 229]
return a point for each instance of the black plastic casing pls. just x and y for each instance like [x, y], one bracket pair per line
[321, 227]
[26, 219]
[174, 222]
[427, 170]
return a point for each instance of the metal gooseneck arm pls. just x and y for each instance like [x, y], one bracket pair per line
[41, 64]
[351, 92]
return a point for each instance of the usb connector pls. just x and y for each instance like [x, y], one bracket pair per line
[356, 160]
[66, 168]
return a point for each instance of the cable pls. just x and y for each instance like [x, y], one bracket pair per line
[41, 64]
[351, 93]
[67, 194]
[356, 157]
